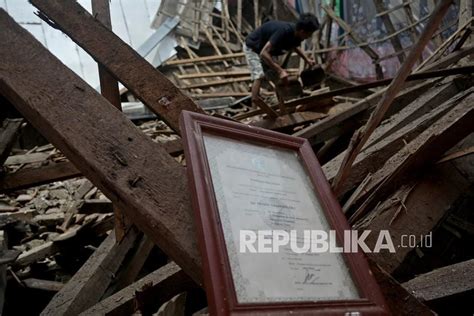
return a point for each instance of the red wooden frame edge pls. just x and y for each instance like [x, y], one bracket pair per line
[219, 286]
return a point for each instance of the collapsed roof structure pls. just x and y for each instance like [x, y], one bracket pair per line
[390, 122]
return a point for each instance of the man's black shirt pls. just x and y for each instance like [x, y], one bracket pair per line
[280, 34]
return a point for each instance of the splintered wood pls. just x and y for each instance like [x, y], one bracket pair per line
[408, 170]
[124, 149]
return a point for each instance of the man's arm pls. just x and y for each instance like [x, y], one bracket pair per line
[309, 61]
[267, 58]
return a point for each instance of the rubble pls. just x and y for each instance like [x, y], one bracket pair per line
[99, 221]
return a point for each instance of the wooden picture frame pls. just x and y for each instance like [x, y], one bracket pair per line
[223, 265]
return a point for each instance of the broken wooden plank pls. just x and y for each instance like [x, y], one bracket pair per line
[199, 75]
[465, 11]
[209, 95]
[127, 166]
[214, 83]
[428, 101]
[378, 83]
[288, 120]
[140, 77]
[45, 285]
[399, 301]
[360, 138]
[110, 90]
[49, 219]
[89, 283]
[96, 206]
[332, 125]
[367, 49]
[336, 125]
[393, 136]
[108, 84]
[426, 205]
[132, 266]
[419, 153]
[265, 107]
[28, 178]
[59, 171]
[446, 44]
[450, 59]
[37, 253]
[397, 45]
[8, 135]
[457, 154]
[160, 285]
[213, 58]
[26, 158]
[70, 208]
[443, 282]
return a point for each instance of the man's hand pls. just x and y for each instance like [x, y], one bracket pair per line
[311, 62]
[308, 60]
[283, 76]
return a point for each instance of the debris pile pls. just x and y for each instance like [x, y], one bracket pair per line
[97, 218]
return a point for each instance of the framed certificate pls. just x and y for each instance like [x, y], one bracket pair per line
[270, 230]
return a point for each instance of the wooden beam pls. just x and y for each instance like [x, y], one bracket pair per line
[145, 82]
[239, 16]
[133, 171]
[214, 83]
[446, 44]
[397, 45]
[288, 120]
[27, 178]
[458, 154]
[327, 43]
[160, 286]
[443, 282]
[8, 134]
[332, 125]
[71, 207]
[220, 95]
[265, 108]
[213, 58]
[378, 83]
[425, 148]
[59, 171]
[131, 268]
[392, 136]
[89, 283]
[360, 138]
[451, 58]
[108, 84]
[214, 74]
[91, 206]
[367, 49]
[465, 11]
[45, 285]
[427, 201]
[445, 90]
[411, 20]
[110, 90]
[37, 253]
[399, 301]
[26, 158]
[394, 8]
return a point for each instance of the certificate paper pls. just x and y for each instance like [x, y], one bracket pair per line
[266, 188]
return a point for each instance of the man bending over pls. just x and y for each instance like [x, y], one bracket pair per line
[274, 38]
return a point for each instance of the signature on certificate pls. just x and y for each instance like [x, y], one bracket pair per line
[310, 277]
